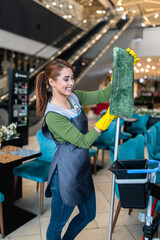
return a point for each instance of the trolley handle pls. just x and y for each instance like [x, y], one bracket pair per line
[132, 171]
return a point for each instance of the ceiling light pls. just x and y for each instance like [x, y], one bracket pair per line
[90, 4]
[110, 70]
[143, 24]
[156, 15]
[135, 68]
[54, 3]
[154, 25]
[65, 16]
[84, 21]
[145, 77]
[70, 16]
[104, 11]
[148, 66]
[99, 11]
[47, 5]
[149, 59]
[70, 6]
[119, 3]
[146, 70]
[137, 71]
[134, 11]
[153, 67]
[61, 5]
[120, 9]
[139, 64]
[123, 17]
[142, 69]
[141, 80]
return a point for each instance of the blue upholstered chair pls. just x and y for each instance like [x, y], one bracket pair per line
[37, 169]
[123, 135]
[93, 153]
[131, 149]
[1, 215]
[106, 139]
[139, 126]
[152, 137]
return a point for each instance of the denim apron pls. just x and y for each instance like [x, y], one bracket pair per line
[72, 162]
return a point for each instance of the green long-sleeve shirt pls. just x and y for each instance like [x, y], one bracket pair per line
[63, 130]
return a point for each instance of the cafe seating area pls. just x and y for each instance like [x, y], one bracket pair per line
[126, 226]
[37, 169]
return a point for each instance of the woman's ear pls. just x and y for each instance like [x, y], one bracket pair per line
[51, 82]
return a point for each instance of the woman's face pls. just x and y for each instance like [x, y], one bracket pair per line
[64, 83]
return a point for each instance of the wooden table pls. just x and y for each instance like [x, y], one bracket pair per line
[10, 157]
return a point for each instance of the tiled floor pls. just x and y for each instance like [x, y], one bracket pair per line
[127, 227]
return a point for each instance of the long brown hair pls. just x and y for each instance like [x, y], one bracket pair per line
[52, 70]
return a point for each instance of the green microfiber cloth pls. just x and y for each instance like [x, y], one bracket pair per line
[122, 96]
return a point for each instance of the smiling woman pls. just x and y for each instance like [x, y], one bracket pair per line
[70, 180]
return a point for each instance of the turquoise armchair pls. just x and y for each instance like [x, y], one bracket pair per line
[139, 126]
[152, 137]
[107, 138]
[123, 135]
[131, 149]
[1, 215]
[37, 169]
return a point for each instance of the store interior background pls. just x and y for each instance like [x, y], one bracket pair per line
[34, 31]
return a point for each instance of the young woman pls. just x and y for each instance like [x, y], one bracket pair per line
[70, 180]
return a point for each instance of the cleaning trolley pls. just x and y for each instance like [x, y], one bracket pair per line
[137, 190]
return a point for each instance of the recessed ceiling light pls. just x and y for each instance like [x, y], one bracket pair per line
[99, 11]
[148, 66]
[156, 15]
[70, 6]
[47, 5]
[137, 71]
[134, 11]
[146, 70]
[139, 64]
[65, 16]
[90, 4]
[120, 9]
[84, 21]
[142, 69]
[149, 59]
[153, 67]
[135, 68]
[143, 24]
[123, 17]
[141, 80]
[54, 3]
[61, 5]
[119, 3]
[145, 77]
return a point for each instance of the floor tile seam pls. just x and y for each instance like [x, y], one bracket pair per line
[102, 194]
[131, 232]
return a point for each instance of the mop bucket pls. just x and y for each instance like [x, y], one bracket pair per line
[132, 187]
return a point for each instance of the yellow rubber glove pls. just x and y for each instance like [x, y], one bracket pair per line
[104, 122]
[132, 53]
